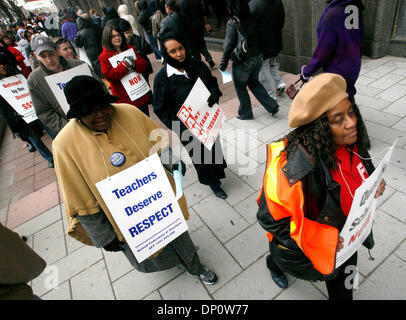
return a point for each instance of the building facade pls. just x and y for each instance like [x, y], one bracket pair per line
[385, 26]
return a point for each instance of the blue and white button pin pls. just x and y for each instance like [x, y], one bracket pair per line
[117, 159]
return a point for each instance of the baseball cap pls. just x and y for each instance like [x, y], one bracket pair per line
[41, 43]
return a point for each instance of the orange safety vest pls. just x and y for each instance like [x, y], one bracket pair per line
[286, 199]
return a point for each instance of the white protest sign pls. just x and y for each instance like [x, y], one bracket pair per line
[15, 91]
[58, 81]
[143, 205]
[361, 217]
[204, 122]
[83, 56]
[227, 77]
[134, 83]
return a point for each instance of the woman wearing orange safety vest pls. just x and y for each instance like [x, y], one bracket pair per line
[309, 183]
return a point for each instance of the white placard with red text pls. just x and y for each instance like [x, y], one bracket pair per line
[204, 122]
[15, 91]
[58, 81]
[361, 217]
[134, 83]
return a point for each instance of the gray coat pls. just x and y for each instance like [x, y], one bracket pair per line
[46, 106]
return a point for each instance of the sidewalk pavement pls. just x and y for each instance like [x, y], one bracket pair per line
[226, 233]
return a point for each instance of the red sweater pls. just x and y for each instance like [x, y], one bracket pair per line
[353, 171]
[20, 61]
[114, 75]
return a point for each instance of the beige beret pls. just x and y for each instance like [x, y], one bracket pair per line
[316, 97]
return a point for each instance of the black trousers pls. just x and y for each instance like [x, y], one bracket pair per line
[338, 288]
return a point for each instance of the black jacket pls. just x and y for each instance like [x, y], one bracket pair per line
[321, 203]
[144, 16]
[233, 36]
[89, 38]
[172, 23]
[270, 19]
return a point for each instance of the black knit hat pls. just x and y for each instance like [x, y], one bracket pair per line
[83, 93]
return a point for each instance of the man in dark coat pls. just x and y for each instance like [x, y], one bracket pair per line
[173, 22]
[89, 38]
[192, 12]
[270, 19]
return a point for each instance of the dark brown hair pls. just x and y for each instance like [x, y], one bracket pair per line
[107, 37]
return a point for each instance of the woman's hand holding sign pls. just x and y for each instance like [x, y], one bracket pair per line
[381, 189]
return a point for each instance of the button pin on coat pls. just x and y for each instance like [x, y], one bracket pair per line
[117, 159]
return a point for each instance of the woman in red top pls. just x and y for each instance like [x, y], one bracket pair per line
[8, 41]
[114, 42]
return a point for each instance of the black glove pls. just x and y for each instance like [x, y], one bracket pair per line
[176, 167]
[223, 66]
[114, 246]
[303, 79]
[214, 98]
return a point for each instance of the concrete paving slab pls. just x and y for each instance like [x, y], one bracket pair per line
[136, 285]
[184, 287]
[215, 256]
[63, 292]
[92, 284]
[220, 217]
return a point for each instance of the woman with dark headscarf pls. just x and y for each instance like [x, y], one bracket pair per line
[172, 86]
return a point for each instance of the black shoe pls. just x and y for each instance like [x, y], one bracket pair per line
[245, 117]
[218, 192]
[280, 91]
[212, 64]
[274, 110]
[280, 280]
[30, 147]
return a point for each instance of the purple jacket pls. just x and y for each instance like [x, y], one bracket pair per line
[339, 50]
[69, 30]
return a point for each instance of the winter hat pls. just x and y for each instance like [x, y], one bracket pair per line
[83, 93]
[316, 97]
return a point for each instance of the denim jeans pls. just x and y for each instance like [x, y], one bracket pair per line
[269, 76]
[154, 46]
[42, 148]
[245, 74]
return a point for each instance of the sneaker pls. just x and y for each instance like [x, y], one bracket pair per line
[280, 91]
[207, 276]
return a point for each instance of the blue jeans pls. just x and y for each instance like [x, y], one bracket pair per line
[154, 46]
[245, 74]
[40, 146]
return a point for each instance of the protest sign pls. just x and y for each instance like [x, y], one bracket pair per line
[226, 75]
[58, 81]
[15, 91]
[144, 207]
[134, 83]
[204, 122]
[360, 219]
